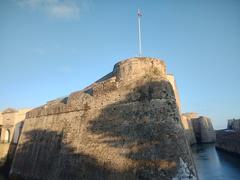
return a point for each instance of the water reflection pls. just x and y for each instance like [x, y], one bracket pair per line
[215, 165]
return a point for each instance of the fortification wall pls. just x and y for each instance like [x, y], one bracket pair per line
[234, 124]
[229, 139]
[137, 67]
[11, 124]
[188, 127]
[198, 129]
[203, 130]
[124, 126]
[4, 147]
[172, 80]
[1, 118]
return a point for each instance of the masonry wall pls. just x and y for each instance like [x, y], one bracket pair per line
[10, 127]
[229, 139]
[171, 79]
[124, 126]
[203, 130]
[234, 124]
[198, 129]
[188, 127]
[1, 118]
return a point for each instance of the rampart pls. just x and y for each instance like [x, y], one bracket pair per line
[124, 126]
[229, 139]
[234, 124]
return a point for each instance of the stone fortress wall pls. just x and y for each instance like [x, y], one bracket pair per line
[229, 139]
[198, 129]
[126, 125]
[188, 126]
[11, 121]
[172, 80]
[234, 124]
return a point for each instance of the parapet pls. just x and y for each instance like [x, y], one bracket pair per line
[191, 115]
[124, 72]
[137, 67]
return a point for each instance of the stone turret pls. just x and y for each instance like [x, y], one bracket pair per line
[126, 125]
[198, 129]
[203, 130]
[138, 67]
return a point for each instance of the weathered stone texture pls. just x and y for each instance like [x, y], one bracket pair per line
[124, 126]
[228, 140]
[171, 79]
[186, 120]
[3, 153]
[203, 130]
[198, 129]
[234, 124]
[11, 121]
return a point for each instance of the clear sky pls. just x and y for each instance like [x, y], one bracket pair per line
[50, 48]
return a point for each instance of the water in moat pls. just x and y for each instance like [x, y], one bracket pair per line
[211, 164]
[215, 165]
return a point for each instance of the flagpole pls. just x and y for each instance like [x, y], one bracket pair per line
[139, 33]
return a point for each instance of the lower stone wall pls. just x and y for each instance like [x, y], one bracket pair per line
[203, 130]
[137, 137]
[188, 128]
[234, 124]
[3, 153]
[7, 152]
[228, 140]
[198, 129]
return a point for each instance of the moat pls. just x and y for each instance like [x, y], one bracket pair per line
[211, 164]
[215, 165]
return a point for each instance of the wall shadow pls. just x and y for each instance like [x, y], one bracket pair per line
[12, 146]
[145, 126]
[143, 129]
[49, 158]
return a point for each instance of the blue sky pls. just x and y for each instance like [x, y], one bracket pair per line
[51, 48]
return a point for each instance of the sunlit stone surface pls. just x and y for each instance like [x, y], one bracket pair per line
[124, 126]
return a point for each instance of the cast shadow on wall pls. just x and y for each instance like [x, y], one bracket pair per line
[143, 129]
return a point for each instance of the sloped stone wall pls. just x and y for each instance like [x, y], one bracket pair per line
[120, 127]
[172, 80]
